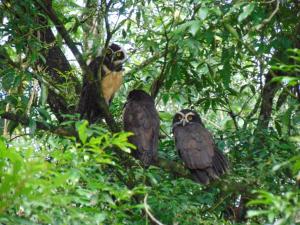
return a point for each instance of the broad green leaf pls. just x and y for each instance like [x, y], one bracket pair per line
[82, 130]
[203, 12]
[194, 27]
[247, 10]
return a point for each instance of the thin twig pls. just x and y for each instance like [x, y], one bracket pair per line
[165, 133]
[245, 104]
[17, 136]
[252, 113]
[153, 219]
[158, 82]
[146, 63]
[267, 20]
[231, 113]
[211, 209]
[117, 27]
[214, 124]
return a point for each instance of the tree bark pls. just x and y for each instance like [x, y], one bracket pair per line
[56, 63]
[268, 94]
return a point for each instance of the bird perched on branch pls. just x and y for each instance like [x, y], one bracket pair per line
[141, 118]
[111, 74]
[196, 147]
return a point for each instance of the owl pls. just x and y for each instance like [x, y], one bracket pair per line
[141, 118]
[196, 147]
[111, 81]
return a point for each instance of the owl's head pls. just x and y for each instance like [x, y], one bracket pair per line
[185, 117]
[114, 57]
[139, 95]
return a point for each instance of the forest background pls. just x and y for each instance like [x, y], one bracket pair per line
[237, 63]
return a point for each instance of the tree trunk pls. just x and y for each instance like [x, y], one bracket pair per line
[268, 94]
[55, 63]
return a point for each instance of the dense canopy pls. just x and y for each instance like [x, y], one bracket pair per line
[236, 63]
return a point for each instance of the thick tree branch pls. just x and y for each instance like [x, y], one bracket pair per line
[64, 33]
[269, 90]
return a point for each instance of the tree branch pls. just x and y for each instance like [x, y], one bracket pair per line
[269, 90]
[158, 82]
[144, 64]
[41, 126]
[252, 113]
[267, 20]
[231, 113]
[64, 33]
[146, 206]
[86, 70]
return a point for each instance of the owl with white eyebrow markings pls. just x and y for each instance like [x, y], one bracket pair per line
[111, 74]
[196, 147]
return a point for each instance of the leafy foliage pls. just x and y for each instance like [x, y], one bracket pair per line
[235, 62]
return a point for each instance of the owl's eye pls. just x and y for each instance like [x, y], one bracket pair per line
[108, 51]
[119, 54]
[190, 117]
[179, 117]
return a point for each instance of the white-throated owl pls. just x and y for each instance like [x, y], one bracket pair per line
[141, 118]
[111, 80]
[196, 147]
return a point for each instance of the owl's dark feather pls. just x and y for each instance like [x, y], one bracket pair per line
[141, 118]
[196, 148]
[88, 106]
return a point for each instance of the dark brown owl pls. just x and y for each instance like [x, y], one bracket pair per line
[196, 147]
[111, 80]
[141, 118]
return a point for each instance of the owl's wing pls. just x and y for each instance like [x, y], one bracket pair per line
[88, 106]
[197, 149]
[143, 121]
[195, 145]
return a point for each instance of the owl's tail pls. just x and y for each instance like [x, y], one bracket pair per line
[219, 167]
[220, 163]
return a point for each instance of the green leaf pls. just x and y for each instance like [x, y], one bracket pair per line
[252, 213]
[291, 81]
[81, 128]
[165, 116]
[44, 94]
[203, 12]
[278, 127]
[2, 143]
[32, 125]
[44, 113]
[232, 30]
[247, 10]
[194, 27]
[124, 33]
